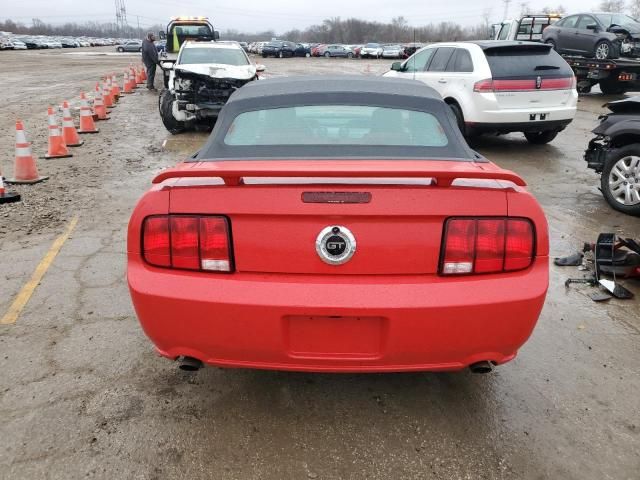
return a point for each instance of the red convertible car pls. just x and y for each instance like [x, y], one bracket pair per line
[338, 224]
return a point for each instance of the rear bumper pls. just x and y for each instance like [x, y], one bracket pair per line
[351, 324]
[532, 126]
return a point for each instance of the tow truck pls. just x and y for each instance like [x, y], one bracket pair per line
[613, 76]
[178, 31]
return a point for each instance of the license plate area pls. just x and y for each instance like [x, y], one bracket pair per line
[538, 117]
[336, 337]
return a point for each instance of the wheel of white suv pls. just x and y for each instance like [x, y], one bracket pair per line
[540, 138]
[327, 55]
[620, 180]
[457, 112]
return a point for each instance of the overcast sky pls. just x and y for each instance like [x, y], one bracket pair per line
[280, 15]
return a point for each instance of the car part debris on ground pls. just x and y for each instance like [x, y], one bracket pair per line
[610, 255]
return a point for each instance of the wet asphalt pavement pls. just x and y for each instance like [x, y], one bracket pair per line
[83, 395]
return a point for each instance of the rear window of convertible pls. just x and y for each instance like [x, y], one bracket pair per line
[336, 125]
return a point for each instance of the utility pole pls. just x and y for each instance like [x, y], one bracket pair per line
[506, 8]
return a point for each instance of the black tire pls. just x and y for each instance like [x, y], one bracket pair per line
[613, 158]
[164, 105]
[280, 54]
[349, 55]
[120, 49]
[541, 138]
[307, 55]
[457, 112]
[603, 50]
[611, 87]
[140, 49]
[327, 55]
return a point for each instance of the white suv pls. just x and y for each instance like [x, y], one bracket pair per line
[498, 86]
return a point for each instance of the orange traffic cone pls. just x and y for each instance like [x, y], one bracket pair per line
[138, 76]
[126, 84]
[7, 197]
[25, 170]
[115, 88]
[143, 74]
[132, 78]
[69, 132]
[98, 106]
[86, 117]
[110, 88]
[107, 99]
[57, 147]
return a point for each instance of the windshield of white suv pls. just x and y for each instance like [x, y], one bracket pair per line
[372, 45]
[223, 56]
[608, 19]
[336, 125]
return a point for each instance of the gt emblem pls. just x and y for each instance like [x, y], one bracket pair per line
[335, 245]
[538, 83]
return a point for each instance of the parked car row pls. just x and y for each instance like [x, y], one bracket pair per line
[34, 42]
[284, 48]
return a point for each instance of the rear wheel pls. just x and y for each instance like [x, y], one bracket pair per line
[120, 49]
[620, 180]
[349, 55]
[165, 102]
[603, 50]
[327, 55]
[457, 112]
[540, 138]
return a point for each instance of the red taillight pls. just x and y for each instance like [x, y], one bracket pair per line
[214, 244]
[190, 242]
[486, 245]
[483, 86]
[524, 85]
[155, 241]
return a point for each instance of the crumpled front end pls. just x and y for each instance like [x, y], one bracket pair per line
[628, 42]
[200, 96]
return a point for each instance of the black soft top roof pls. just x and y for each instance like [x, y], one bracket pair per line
[335, 90]
[356, 84]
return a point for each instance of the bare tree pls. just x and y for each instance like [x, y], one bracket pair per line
[611, 5]
[634, 8]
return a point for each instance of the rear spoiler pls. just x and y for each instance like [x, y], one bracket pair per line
[444, 172]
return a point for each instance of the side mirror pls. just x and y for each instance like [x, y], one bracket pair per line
[162, 35]
[593, 27]
[216, 35]
[260, 67]
[397, 67]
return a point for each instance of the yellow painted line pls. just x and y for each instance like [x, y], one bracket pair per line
[25, 294]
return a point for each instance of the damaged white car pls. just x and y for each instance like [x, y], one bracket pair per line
[201, 81]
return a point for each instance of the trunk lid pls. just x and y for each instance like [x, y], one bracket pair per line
[397, 219]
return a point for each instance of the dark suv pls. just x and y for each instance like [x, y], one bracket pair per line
[279, 49]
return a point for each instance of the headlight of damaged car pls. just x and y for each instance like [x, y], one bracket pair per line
[183, 84]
